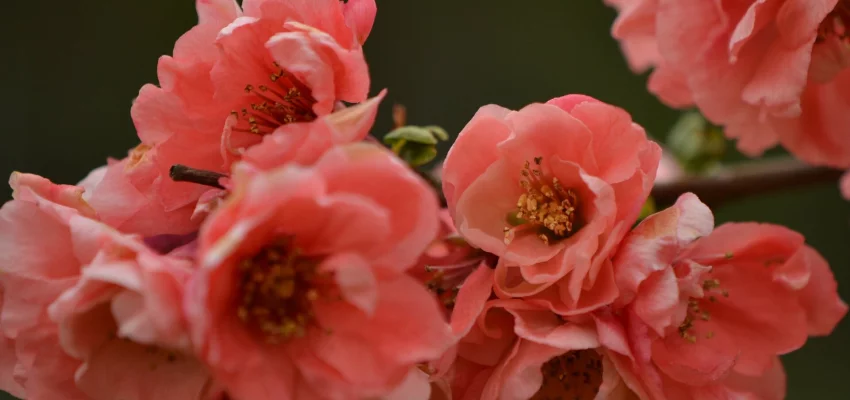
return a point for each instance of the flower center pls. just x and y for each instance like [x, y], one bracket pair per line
[576, 375]
[695, 311]
[836, 23]
[546, 207]
[278, 288]
[284, 101]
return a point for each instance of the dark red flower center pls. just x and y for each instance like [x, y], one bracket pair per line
[576, 375]
[283, 100]
[277, 288]
[836, 23]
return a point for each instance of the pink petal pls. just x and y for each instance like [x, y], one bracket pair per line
[355, 280]
[360, 16]
[824, 309]
[473, 152]
[654, 244]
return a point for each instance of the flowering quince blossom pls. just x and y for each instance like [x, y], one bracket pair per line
[708, 311]
[770, 71]
[512, 349]
[551, 190]
[87, 312]
[236, 77]
[302, 291]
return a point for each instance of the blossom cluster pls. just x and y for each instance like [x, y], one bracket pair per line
[769, 71]
[259, 244]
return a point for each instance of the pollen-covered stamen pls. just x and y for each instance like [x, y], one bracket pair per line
[696, 313]
[576, 375]
[283, 101]
[546, 208]
[277, 290]
[446, 280]
[836, 24]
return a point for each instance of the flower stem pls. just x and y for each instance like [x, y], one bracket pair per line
[744, 180]
[182, 173]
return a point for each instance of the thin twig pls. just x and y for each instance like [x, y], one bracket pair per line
[744, 180]
[182, 173]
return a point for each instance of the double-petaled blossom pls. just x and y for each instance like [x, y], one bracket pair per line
[708, 312]
[770, 71]
[514, 350]
[240, 75]
[551, 190]
[89, 313]
[302, 290]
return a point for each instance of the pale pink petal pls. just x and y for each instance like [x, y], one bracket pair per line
[653, 245]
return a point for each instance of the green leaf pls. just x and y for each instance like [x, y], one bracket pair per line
[413, 134]
[696, 144]
[417, 155]
[648, 209]
[438, 132]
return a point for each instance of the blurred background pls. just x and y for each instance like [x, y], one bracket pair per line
[71, 69]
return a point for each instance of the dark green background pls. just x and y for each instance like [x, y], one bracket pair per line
[71, 69]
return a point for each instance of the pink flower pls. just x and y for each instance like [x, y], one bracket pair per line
[669, 169]
[124, 194]
[771, 72]
[551, 189]
[305, 143]
[40, 257]
[89, 311]
[241, 74]
[710, 311]
[845, 185]
[302, 291]
[512, 349]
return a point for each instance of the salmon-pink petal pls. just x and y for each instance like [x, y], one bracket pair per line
[25, 229]
[31, 187]
[658, 305]
[331, 71]
[8, 361]
[219, 12]
[377, 175]
[798, 20]
[752, 242]
[482, 211]
[130, 371]
[423, 337]
[360, 16]
[356, 362]
[570, 101]
[615, 139]
[414, 387]
[306, 143]
[763, 318]
[544, 327]
[471, 297]
[693, 364]
[653, 245]
[355, 281]
[547, 131]
[521, 375]
[824, 309]
[473, 151]
[768, 386]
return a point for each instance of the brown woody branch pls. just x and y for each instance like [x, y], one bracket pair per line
[182, 173]
[744, 180]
